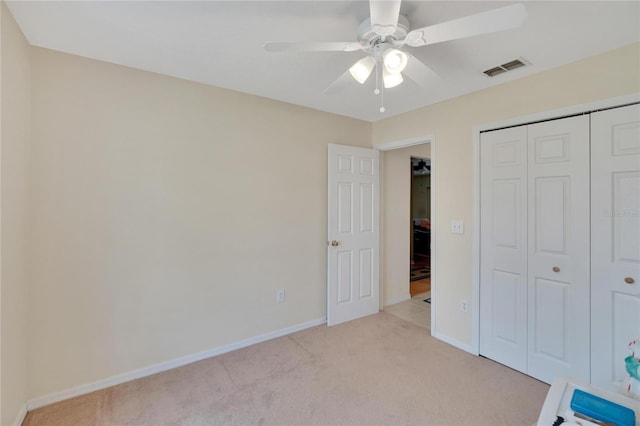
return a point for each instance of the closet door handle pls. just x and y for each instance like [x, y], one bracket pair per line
[556, 269]
[628, 280]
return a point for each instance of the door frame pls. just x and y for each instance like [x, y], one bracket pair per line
[405, 143]
[515, 121]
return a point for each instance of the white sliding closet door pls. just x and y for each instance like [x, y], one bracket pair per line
[558, 249]
[503, 247]
[534, 248]
[615, 250]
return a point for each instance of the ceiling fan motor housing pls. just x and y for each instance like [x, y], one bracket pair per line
[368, 37]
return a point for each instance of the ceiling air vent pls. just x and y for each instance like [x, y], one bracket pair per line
[495, 71]
[511, 65]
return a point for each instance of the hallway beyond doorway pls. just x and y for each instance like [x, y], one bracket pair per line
[420, 286]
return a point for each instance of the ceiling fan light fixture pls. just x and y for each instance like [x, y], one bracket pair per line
[394, 61]
[361, 70]
[391, 79]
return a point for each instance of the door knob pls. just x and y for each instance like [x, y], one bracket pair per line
[629, 280]
[556, 269]
[334, 243]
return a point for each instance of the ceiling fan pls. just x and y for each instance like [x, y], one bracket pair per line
[421, 167]
[384, 35]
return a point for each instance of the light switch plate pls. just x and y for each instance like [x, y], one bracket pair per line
[457, 227]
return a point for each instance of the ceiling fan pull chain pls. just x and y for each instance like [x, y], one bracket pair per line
[379, 86]
[382, 98]
[376, 91]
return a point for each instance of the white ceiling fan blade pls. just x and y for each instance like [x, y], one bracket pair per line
[420, 72]
[331, 46]
[482, 23]
[340, 84]
[384, 16]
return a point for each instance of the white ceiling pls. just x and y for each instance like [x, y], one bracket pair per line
[221, 43]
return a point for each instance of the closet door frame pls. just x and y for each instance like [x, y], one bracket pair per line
[516, 121]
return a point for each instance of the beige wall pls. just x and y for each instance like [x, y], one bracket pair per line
[396, 220]
[609, 75]
[14, 151]
[166, 216]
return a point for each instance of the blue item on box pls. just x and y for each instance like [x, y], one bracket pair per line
[601, 409]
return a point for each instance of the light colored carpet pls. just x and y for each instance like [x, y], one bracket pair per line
[379, 370]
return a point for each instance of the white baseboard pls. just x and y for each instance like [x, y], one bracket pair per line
[51, 398]
[21, 415]
[453, 342]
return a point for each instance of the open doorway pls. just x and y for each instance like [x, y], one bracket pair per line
[398, 234]
[420, 226]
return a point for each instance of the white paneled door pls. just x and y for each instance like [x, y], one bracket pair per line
[353, 233]
[615, 248]
[534, 242]
[558, 271]
[503, 263]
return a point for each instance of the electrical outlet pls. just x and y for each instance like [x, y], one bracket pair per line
[457, 227]
[280, 295]
[464, 305]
